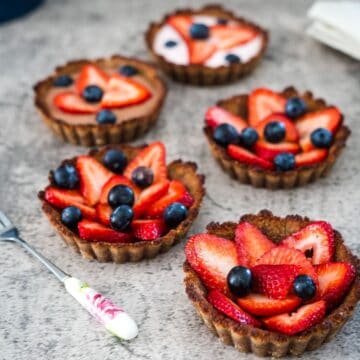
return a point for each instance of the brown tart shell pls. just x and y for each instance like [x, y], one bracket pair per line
[198, 74]
[132, 252]
[261, 342]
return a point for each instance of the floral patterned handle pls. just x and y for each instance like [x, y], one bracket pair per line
[115, 319]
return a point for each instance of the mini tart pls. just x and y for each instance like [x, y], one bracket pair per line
[272, 179]
[261, 342]
[199, 74]
[136, 251]
[87, 131]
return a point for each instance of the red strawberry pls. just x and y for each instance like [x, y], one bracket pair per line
[251, 243]
[93, 176]
[152, 156]
[113, 181]
[69, 102]
[123, 91]
[335, 280]
[316, 238]
[93, 231]
[329, 118]
[268, 151]
[91, 75]
[187, 199]
[291, 134]
[311, 157]
[103, 212]
[230, 309]
[212, 258]
[262, 103]
[148, 229]
[304, 318]
[64, 198]
[261, 305]
[200, 50]
[244, 156]
[216, 115]
[275, 281]
[181, 23]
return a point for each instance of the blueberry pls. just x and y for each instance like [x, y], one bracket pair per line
[105, 116]
[63, 81]
[232, 59]
[128, 70]
[239, 280]
[121, 217]
[284, 161]
[174, 214]
[226, 134]
[171, 44]
[199, 31]
[295, 107]
[66, 177]
[274, 131]
[321, 138]
[92, 93]
[121, 195]
[115, 160]
[304, 287]
[222, 21]
[142, 176]
[70, 216]
[249, 137]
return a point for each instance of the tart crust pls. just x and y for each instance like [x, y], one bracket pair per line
[98, 134]
[271, 179]
[261, 342]
[124, 252]
[198, 74]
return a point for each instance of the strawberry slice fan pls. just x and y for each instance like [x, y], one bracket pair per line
[283, 279]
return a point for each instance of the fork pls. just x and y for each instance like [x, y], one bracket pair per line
[114, 318]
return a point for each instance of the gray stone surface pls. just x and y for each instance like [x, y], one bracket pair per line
[38, 320]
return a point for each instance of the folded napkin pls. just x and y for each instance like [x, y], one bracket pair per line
[337, 24]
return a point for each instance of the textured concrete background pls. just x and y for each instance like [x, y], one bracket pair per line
[38, 320]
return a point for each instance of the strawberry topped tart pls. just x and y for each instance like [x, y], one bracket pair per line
[272, 286]
[123, 203]
[275, 139]
[102, 101]
[206, 46]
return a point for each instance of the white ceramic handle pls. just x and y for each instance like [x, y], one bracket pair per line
[115, 319]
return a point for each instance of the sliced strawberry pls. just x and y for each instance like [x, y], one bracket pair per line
[268, 151]
[181, 23]
[70, 102]
[291, 134]
[315, 240]
[117, 180]
[251, 243]
[152, 156]
[103, 212]
[329, 118]
[93, 231]
[200, 50]
[216, 115]
[187, 199]
[311, 157]
[274, 281]
[212, 258]
[261, 305]
[91, 75]
[148, 229]
[244, 156]
[335, 280]
[93, 176]
[63, 198]
[262, 103]
[230, 309]
[303, 319]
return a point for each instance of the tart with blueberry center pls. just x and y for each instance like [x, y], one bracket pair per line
[275, 140]
[272, 286]
[123, 203]
[206, 46]
[99, 102]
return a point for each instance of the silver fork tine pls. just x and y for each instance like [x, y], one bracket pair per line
[5, 220]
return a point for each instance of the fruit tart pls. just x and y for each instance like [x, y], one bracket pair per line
[122, 203]
[275, 139]
[272, 286]
[207, 46]
[99, 102]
